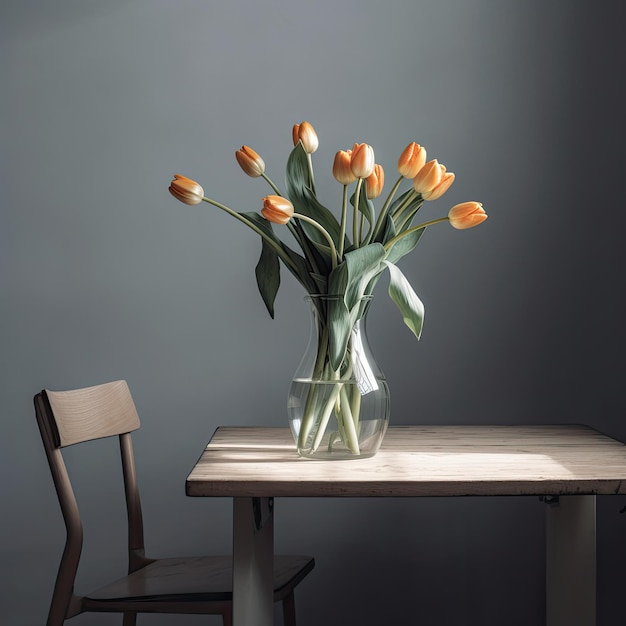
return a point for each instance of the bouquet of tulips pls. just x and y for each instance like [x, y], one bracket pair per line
[341, 256]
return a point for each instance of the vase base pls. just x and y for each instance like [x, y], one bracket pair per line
[325, 455]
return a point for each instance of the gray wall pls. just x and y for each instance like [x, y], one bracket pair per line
[104, 275]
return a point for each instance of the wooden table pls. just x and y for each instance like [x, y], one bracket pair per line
[567, 465]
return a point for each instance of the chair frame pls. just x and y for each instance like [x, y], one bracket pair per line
[61, 424]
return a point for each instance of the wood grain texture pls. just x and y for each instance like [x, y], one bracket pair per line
[417, 461]
[93, 412]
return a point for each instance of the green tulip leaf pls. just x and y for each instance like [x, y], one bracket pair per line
[416, 202]
[299, 266]
[339, 327]
[350, 279]
[404, 245]
[410, 306]
[298, 172]
[338, 279]
[321, 283]
[366, 206]
[267, 274]
[399, 200]
[388, 231]
[300, 190]
[363, 264]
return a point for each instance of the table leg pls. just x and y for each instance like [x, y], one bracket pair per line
[571, 561]
[253, 562]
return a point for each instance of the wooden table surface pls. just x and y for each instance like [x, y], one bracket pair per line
[417, 461]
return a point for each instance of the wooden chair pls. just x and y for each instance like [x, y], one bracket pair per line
[199, 585]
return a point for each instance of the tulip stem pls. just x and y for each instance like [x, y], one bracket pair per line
[397, 238]
[344, 211]
[325, 233]
[407, 212]
[405, 204]
[296, 230]
[385, 209]
[402, 220]
[364, 240]
[271, 184]
[281, 253]
[355, 219]
[310, 162]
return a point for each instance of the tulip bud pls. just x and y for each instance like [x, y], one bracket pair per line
[432, 181]
[374, 182]
[466, 215]
[411, 160]
[362, 161]
[186, 190]
[306, 134]
[341, 167]
[251, 163]
[277, 209]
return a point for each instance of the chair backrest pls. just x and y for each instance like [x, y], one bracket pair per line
[92, 413]
[70, 417]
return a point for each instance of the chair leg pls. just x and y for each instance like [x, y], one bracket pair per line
[289, 610]
[130, 619]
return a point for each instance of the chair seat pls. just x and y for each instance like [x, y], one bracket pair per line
[196, 579]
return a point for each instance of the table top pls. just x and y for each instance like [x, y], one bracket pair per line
[417, 461]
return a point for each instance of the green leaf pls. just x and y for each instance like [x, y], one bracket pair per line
[404, 218]
[298, 172]
[267, 274]
[410, 306]
[388, 231]
[339, 326]
[366, 207]
[404, 245]
[260, 222]
[321, 283]
[362, 265]
[317, 254]
[399, 200]
[301, 268]
[300, 191]
[338, 280]
[303, 273]
[350, 279]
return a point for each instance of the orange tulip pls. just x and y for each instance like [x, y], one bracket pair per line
[466, 215]
[277, 209]
[305, 133]
[251, 163]
[446, 181]
[432, 181]
[411, 160]
[374, 182]
[341, 167]
[362, 160]
[186, 190]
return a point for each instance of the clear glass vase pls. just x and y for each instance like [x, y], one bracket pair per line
[338, 413]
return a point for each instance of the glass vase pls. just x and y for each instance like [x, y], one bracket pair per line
[338, 413]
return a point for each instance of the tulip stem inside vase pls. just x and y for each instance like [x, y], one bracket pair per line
[338, 413]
